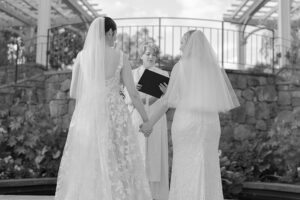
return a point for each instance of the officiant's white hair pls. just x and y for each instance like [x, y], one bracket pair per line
[149, 45]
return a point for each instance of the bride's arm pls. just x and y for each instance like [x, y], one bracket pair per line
[146, 127]
[131, 89]
[163, 108]
[74, 80]
[170, 99]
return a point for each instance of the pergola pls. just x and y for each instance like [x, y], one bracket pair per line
[44, 14]
[265, 13]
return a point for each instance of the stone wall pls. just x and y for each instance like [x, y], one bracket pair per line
[61, 107]
[261, 96]
[28, 94]
[25, 71]
[258, 97]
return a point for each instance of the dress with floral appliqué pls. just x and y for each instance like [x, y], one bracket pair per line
[126, 169]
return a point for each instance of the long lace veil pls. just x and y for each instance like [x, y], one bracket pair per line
[83, 171]
[202, 83]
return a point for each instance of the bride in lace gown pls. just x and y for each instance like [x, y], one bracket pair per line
[199, 89]
[102, 159]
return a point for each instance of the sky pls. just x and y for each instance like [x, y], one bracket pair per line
[207, 9]
[203, 9]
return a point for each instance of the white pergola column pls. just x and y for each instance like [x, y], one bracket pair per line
[241, 48]
[284, 29]
[42, 29]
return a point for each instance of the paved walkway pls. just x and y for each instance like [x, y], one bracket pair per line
[21, 197]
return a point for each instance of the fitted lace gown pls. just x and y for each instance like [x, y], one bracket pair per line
[195, 137]
[126, 173]
[196, 170]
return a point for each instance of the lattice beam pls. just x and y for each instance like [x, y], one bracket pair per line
[60, 21]
[13, 13]
[25, 12]
[240, 8]
[78, 9]
[22, 9]
[59, 10]
[267, 15]
[90, 7]
[270, 23]
[252, 10]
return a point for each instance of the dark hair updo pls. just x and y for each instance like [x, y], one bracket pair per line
[109, 23]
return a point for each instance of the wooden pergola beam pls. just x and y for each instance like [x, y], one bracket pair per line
[29, 3]
[54, 7]
[21, 9]
[238, 5]
[267, 15]
[12, 13]
[240, 8]
[60, 21]
[78, 9]
[59, 10]
[269, 23]
[90, 7]
[252, 10]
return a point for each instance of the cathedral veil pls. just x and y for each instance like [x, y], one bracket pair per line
[83, 171]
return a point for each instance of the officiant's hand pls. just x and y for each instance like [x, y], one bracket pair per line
[138, 87]
[163, 87]
[146, 129]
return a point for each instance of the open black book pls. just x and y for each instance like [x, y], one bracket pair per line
[150, 82]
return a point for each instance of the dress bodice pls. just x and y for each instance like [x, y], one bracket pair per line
[113, 84]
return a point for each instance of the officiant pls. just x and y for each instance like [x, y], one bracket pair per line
[155, 147]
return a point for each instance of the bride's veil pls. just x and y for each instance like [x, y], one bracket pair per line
[83, 171]
[204, 84]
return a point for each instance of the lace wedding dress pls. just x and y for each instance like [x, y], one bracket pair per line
[199, 89]
[127, 173]
[101, 158]
[125, 166]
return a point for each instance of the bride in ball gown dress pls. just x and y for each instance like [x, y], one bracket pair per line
[102, 159]
[199, 89]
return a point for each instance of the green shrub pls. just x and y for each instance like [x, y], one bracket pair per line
[30, 143]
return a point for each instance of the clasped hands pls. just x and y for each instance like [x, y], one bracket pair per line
[162, 87]
[146, 128]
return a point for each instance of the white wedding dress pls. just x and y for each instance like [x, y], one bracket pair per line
[101, 158]
[195, 137]
[196, 169]
[198, 89]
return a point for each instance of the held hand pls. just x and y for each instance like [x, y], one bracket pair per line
[146, 129]
[138, 87]
[163, 87]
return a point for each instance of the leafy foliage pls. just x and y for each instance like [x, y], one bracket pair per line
[267, 157]
[245, 157]
[64, 45]
[30, 143]
[285, 139]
